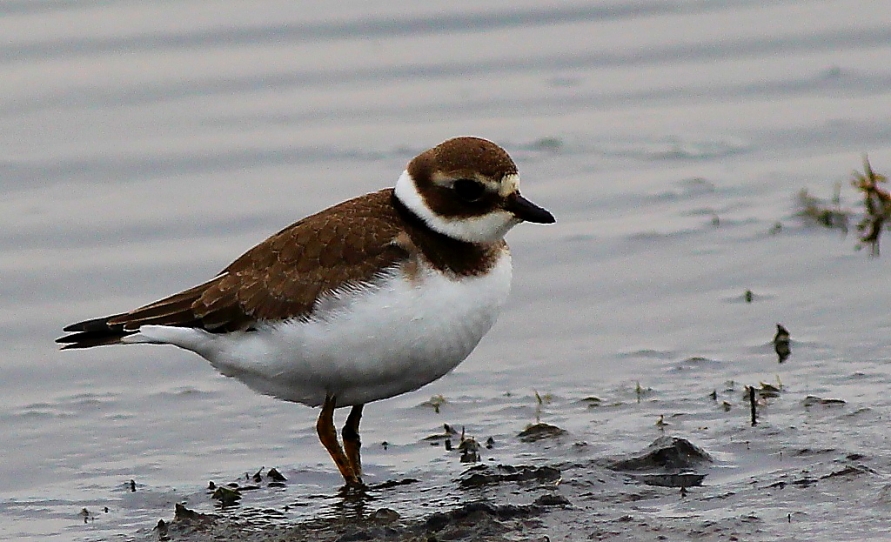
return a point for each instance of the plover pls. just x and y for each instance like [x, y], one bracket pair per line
[368, 299]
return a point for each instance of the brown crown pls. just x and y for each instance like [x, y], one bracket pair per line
[464, 157]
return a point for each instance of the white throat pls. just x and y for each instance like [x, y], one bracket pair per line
[487, 228]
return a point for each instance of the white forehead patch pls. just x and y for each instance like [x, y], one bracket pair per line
[509, 185]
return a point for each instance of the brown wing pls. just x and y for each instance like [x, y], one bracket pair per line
[280, 278]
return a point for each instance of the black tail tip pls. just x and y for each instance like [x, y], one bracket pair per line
[89, 333]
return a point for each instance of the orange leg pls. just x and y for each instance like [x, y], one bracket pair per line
[328, 435]
[351, 441]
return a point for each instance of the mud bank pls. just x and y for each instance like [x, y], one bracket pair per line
[659, 493]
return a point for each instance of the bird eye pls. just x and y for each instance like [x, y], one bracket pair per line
[468, 189]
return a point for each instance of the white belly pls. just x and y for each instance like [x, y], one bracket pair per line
[362, 345]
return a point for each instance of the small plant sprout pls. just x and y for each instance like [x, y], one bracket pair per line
[877, 202]
[435, 402]
[540, 401]
[817, 211]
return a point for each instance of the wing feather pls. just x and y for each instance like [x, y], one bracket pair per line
[281, 278]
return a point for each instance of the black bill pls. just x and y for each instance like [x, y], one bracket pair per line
[527, 211]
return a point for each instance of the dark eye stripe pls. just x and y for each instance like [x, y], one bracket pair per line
[469, 190]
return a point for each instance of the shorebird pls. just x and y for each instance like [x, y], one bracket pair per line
[368, 299]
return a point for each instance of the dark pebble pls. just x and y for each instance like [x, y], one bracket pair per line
[275, 475]
[552, 499]
[540, 431]
[665, 453]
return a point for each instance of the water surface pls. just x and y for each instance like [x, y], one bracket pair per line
[144, 146]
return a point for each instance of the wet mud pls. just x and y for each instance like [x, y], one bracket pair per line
[654, 494]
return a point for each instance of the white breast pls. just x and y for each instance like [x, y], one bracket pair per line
[363, 344]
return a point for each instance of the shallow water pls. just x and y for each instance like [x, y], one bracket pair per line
[146, 145]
